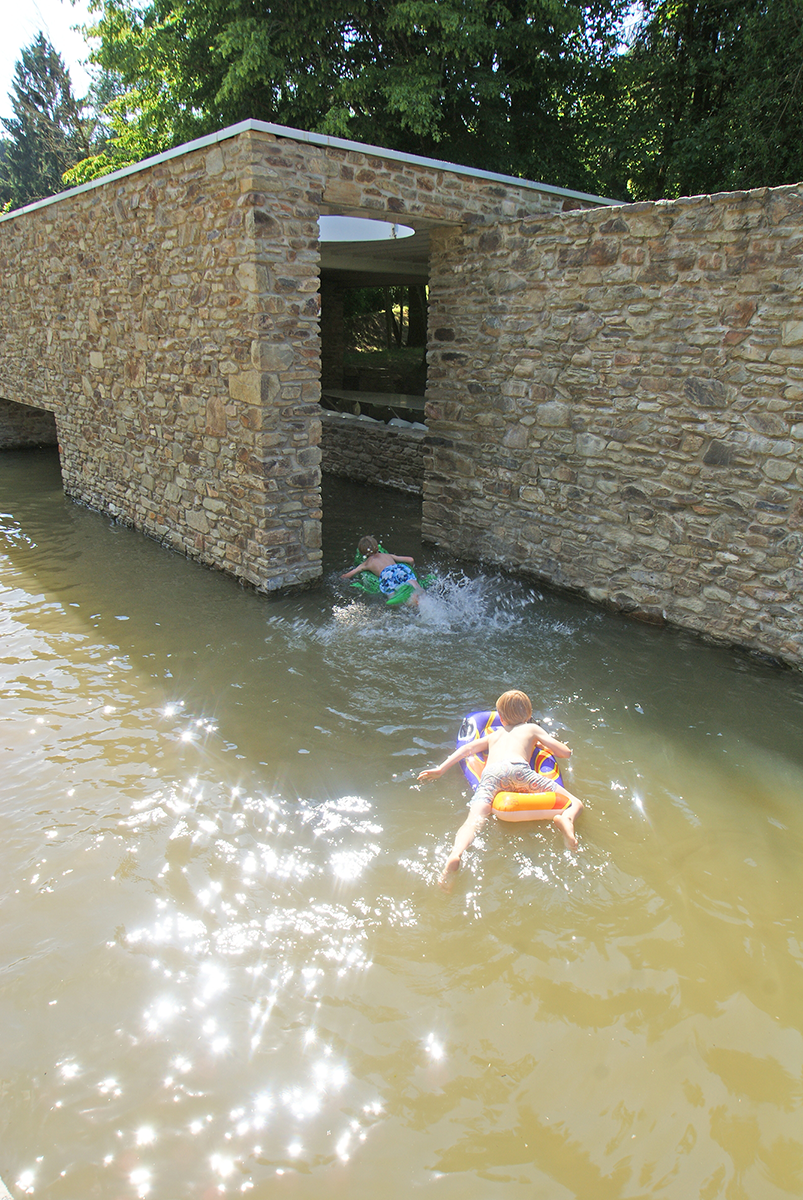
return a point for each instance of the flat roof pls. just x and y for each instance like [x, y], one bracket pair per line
[315, 139]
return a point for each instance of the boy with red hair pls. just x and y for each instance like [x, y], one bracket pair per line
[507, 769]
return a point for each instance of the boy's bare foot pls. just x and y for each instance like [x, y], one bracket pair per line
[566, 826]
[565, 823]
[448, 873]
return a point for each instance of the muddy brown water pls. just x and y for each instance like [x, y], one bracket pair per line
[225, 966]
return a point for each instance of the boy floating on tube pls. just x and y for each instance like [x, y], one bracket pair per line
[397, 578]
[507, 769]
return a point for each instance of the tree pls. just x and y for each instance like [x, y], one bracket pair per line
[6, 202]
[48, 131]
[711, 97]
[495, 84]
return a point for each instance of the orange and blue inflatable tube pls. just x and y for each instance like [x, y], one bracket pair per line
[510, 806]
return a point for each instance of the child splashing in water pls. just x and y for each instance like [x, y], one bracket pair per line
[508, 769]
[397, 579]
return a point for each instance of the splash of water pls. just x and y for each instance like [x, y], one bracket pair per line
[456, 605]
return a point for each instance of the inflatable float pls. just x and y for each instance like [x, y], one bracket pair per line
[367, 582]
[510, 806]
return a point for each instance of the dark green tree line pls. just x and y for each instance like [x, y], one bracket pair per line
[705, 95]
[50, 130]
[47, 132]
[710, 97]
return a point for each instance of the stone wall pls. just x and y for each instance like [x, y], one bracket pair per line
[23, 426]
[369, 451]
[177, 346]
[169, 317]
[616, 406]
[615, 395]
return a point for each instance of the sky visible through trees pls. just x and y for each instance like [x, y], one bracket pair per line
[631, 101]
[60, 22]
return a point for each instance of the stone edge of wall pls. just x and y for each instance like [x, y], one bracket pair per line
[288, 133]
[371, 452]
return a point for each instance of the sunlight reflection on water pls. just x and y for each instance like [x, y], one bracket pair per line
[224, 960]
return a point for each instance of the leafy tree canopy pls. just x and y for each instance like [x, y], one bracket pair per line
[710, 97]
[497, 84]
[51, 130]
[706, 95]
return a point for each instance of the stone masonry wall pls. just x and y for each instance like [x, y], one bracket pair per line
[179, 354]
[169, 318]
[370, 451]
[616, 406]
[333, 334]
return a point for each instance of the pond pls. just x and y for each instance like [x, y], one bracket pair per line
[227, 967]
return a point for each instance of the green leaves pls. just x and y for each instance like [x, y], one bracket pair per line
[49, 131]
[708, 96]
[711, 97]
[483, 82]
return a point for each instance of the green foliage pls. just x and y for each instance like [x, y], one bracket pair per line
[385, 317]
[495, 84]
[91, 168]
[396, 358]
[710, 97]
[160, 60]
[362, 301]
[707, 95]
[6, 204]
[48, 131]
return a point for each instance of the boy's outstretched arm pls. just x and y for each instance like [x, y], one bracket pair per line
[559, 749]
[456, 756]
[354, 570]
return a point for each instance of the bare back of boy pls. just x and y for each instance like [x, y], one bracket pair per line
[376, 563]
[516, 744]
[508, 752]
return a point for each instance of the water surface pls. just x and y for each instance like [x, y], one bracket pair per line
[225, 965]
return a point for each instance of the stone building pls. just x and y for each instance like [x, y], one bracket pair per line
[614, 394]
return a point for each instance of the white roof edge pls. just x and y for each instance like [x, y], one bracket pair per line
[316, 139]
[209, 139]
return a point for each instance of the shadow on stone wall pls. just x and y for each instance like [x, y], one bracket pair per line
[23, 427]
